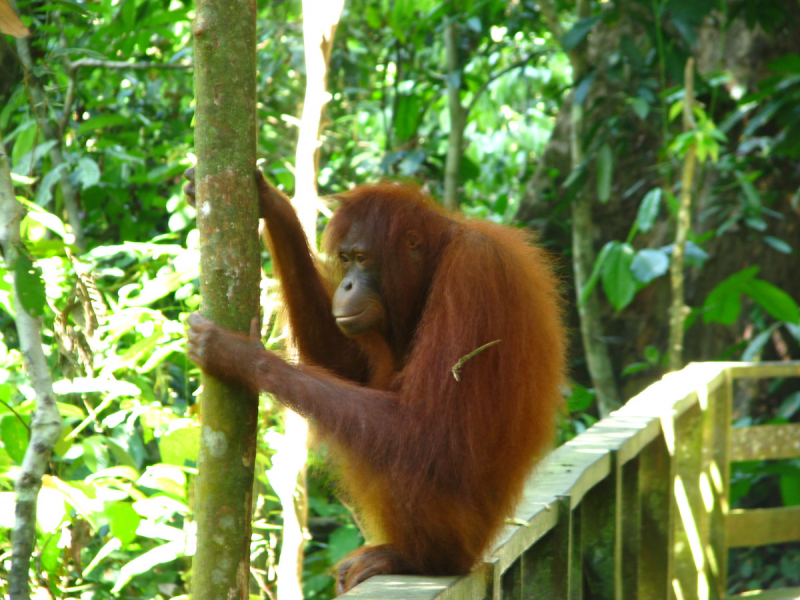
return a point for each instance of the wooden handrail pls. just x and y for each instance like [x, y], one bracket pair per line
[634, 508]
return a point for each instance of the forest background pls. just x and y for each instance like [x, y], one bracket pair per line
[568, 112]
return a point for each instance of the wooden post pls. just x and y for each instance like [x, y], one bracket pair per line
[547, 565]
[655, 487]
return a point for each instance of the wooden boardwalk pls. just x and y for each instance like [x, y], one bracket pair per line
[635, 508]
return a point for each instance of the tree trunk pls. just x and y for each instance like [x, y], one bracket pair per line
[455, 140]
[46, 423]
[227, 219]
[598, 359]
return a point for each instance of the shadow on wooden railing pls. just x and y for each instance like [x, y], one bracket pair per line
[636, 507]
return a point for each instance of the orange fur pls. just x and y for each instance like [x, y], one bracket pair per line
[432, 464]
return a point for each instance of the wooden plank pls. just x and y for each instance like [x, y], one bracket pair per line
[575, 589]
[625, 434]
[690, 521]
[600, 540]
[414, 587]
[762, 526]
[717, 472]
[567, 472]
[629, 532]
[656, 470]
[547, 565]
[677, 392]
[763, 442]
[571, 471]
[511, 582]
[779, 594]
[539, 518]
[765, 370]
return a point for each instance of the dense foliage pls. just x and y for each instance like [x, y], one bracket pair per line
[115, 512]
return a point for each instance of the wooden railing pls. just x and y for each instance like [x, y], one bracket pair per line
[635, 508]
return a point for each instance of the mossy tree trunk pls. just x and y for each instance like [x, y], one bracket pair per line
[227, 219]
[598, 360]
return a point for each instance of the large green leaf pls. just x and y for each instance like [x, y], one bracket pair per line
[648, 209]
[578, 32]
[618, 282]
[30, 286]
[648, 264]
[14, 435]
[408, 116]
[773, 300]
[123, 521]
[342, 542]
[723, 305]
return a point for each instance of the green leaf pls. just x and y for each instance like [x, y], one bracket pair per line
[583, 87]
[51, 554]
[750, 192]
[605, 170]
[788, 63]
[26, 163]
[181, 445]
[408, 117]
[649, 264]
[30, 286]
[72, 6]
[774, 300]
[675, 109]
[578, 32]
[373, 18]
[103, 121]
[42, 216]
[128, 12]
[640, 106]
[14, 436]
[778, 244]
[166, 478]
[757, 344]
[24, 144]
[580, 399]
[63, 444]
[123, 521]
[88, 172]
[789, 406]
[342, 542]
[648, 210]
[148, 560]
[723, 305]
[597, 270]
[95, 453]
[618, 282]
[790, 488]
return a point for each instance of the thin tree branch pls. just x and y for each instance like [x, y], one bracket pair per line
[46, 423]
[39, 101]
[135, 66]
[515, 65]
[677, 312]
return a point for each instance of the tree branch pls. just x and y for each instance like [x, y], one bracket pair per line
[515, 65]
[135, 66]
[50, 132]
[46, 424]
[677, 311]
